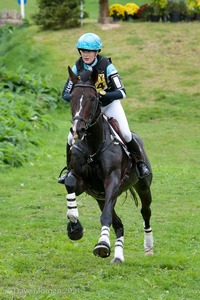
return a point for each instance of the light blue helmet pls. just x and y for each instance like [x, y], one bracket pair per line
[89, 41]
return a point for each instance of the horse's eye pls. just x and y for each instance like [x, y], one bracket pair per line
[93, 98]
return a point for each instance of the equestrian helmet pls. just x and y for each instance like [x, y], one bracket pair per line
[89, 41]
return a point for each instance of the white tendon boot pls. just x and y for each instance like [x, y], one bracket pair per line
[118, 254]
[105, 235]
[102, 248]
[148, 242]
[72, 212]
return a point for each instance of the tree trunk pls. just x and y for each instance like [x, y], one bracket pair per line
[104, 12]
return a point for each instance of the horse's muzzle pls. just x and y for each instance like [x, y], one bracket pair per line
[79, 135]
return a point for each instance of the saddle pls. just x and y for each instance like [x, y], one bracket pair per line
[116, 132]
[115, 126]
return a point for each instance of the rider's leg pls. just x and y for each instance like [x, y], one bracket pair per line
[61, 179]
[68, 153]
[135, 151]
[116, 111]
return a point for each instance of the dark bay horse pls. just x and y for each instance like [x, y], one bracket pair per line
[100, 165]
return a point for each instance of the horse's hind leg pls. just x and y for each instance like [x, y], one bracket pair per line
[102, 248]
[119, 232]
[119, 243]
[145, 195]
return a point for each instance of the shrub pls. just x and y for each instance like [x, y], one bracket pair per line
[194, 5]
[117, 11]
[24, 102]
[131, 9]
[58, 14]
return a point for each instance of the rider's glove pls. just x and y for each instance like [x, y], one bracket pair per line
[104, 98]
[66, 97]
[108, 97]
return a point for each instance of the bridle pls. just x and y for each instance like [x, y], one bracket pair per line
[93, 119]
[90, 122]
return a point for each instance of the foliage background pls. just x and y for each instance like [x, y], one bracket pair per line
[159, 64]
[90, 6]
[66, 14]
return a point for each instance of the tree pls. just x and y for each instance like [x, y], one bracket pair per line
[104, 11]
[57, 14]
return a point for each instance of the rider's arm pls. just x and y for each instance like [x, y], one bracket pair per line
[68, 87]
[115, 89]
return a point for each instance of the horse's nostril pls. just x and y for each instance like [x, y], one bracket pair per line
[82, 130]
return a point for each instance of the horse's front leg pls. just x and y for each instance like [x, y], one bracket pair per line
[74, 227]
[111, 184]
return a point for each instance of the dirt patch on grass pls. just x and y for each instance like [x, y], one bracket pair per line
[110, 26]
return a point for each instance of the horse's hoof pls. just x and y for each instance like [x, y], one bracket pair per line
[116, 260]
[75, 230]
[102, 249]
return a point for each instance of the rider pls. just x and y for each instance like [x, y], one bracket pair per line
[111, 90]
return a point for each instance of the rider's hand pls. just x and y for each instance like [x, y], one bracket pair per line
[102, 94]
[104, 98]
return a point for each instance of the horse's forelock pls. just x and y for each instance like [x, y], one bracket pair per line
[85, 76]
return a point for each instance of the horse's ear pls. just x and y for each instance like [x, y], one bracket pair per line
[94, 76]
[73, 77]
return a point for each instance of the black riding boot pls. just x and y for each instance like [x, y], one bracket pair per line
[61, 179]
[134, 149]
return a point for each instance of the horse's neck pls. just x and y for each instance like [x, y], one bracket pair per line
[95, 136]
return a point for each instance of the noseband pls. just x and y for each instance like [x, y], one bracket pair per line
[92, 115]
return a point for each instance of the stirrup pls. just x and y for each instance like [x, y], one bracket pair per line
[61, 178]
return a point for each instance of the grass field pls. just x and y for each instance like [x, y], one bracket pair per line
[159, 64]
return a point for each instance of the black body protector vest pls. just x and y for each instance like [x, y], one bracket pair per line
[101, 67]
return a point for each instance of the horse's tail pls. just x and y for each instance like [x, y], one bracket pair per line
[133, 194]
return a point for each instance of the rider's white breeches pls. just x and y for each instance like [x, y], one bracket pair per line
[116, 111]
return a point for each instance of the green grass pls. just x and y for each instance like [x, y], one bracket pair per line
[160, 69]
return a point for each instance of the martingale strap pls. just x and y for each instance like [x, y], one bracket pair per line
[91, 158]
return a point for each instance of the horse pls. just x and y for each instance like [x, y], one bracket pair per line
[101, 166]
